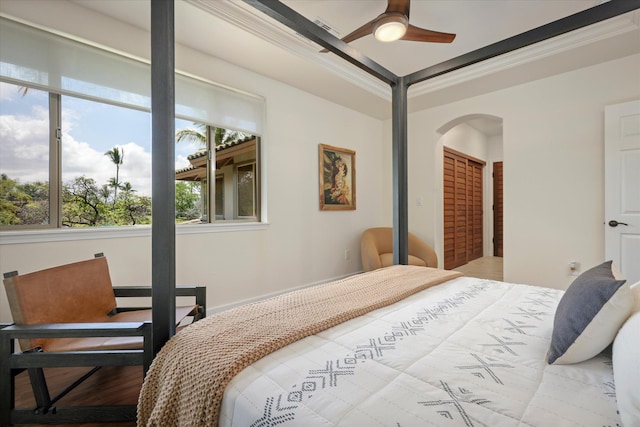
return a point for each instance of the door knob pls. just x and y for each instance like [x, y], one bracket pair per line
[614, 223]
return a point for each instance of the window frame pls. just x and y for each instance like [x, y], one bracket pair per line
[241, 107]
[215, 201]
[54, 163]
[236, 189]
[55, 186]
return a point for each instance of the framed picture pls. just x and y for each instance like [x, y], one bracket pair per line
[337, 178]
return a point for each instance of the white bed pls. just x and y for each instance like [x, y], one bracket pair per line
[466, 352]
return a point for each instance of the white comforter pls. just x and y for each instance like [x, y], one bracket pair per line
[468, 352]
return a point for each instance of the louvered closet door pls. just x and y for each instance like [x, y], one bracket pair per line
[497, 209]
[448, 213]
[474, 211]
[463, 216]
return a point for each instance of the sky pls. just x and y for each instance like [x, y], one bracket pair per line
[89, 129]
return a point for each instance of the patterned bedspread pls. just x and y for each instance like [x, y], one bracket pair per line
[468, 352]
[187, 379]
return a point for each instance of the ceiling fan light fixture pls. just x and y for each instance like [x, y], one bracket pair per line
[391, 27]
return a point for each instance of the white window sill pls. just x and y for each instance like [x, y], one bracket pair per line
[63, 235]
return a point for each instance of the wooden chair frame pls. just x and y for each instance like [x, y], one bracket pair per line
[13, 362]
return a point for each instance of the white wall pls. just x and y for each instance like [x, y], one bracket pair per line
[466, 139]
[553, 167]
[301, 245]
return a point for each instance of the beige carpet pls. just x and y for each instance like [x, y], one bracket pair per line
[489, 267]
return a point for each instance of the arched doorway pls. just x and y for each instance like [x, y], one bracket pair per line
[470, 213]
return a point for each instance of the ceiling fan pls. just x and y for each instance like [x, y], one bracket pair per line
[393, 24]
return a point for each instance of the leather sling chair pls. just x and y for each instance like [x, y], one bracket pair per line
[68, 316]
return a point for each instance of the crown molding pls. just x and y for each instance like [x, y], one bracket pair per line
[582, 37]
[253, 21]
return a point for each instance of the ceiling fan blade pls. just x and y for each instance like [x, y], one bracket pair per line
[422, 35]
[364, 30]
[398, 6]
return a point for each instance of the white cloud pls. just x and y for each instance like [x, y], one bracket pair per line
[24, 155]
[9, 92]
[24, 146]
[181, 161]
[24, 143]
[136, 168]
[79, 158]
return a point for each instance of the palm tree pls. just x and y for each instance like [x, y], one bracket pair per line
[105, 193]
[198, 135]
[222, 136]
[195, 135]
[116, 155]
[127, 188]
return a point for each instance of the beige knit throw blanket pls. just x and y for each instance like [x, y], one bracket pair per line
[187, 379]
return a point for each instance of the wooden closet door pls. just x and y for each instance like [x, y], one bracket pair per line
[455, 211]
[462, 215]
[475, 227]
[497, 209]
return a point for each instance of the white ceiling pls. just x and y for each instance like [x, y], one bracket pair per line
[475, 23]
[240, 34]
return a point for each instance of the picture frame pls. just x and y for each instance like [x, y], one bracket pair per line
[337, 171]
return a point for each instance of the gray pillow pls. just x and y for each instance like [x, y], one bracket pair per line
[589, 315]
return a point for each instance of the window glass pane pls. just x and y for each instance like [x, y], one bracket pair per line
[191, 172]
[24, 156]
[229, 148]
[188, 203]
[219, 197]
[246, 185]
[106, 164]
[236, 159]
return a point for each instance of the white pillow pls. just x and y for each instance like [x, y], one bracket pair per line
[589, 315]
[626, 369]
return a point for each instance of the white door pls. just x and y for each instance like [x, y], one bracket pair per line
[622, 187]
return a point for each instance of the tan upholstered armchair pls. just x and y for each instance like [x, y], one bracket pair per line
[376, 248]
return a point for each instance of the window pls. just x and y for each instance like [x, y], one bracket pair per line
[95, 155]
[246, 190]
[105, 164]
[219, 196]
[24, 157]
[217, 152]
[102, 154]
[75, 140]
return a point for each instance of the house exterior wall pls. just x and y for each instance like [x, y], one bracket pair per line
[553, 145]
[300, 245]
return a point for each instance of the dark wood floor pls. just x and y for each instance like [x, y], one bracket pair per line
[111, 385]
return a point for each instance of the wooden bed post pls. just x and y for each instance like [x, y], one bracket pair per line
[163, 227]
[399, 159]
